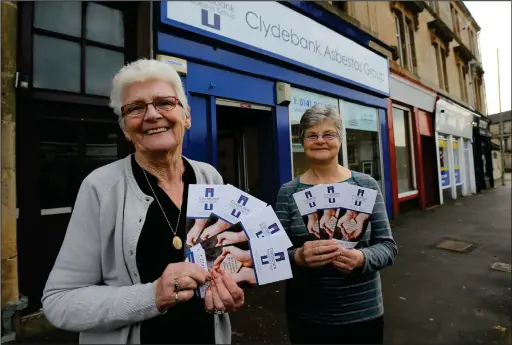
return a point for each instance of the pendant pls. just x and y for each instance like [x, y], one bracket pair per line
[176, 242]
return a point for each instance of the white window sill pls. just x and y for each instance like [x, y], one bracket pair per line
[406, 194]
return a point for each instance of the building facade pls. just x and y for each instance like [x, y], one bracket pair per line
[436, 93]
[506, 142]
[249, 75]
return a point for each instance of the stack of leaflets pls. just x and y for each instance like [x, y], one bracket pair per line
[339, 211]
[230, 229]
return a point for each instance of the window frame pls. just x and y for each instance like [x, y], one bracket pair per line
[462, 81]
[408, 113]
[455, 20]
[26, 50]
[442, 72]
[404, 26]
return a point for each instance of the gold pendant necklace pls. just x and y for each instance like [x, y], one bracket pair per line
[176, 241]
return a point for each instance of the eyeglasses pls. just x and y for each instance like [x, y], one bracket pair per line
[326, 136]
[139, 109]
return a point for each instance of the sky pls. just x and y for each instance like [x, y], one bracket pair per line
[494, 18]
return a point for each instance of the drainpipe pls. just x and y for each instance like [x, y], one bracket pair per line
[151, 52]
[11, 303]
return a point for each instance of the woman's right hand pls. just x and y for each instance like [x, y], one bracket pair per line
[317, 253]
[177, 284]
[214, 229]
[194, 232]
[240, 255]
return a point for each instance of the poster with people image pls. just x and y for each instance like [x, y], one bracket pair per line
[241, 235]
[343, 212]
[307, 205]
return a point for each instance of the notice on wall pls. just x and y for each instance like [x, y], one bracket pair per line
[359, 117]
[445, 177]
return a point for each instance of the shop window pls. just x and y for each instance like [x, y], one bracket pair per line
[456, 162]
[442, 72]
[362, 138]
[59, 162]
[60, 41]
[69, 151]
[69, 14]
[57, 65]
[405, 40]
[302, 100]
[104, 25]
[98, 76]
[443, 163]
[404, 152]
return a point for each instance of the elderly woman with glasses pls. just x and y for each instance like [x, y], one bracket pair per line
[120, 276]
[335, 295]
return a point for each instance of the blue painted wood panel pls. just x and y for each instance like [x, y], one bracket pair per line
[226, 84]
[384, 137]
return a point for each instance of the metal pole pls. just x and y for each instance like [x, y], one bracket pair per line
[501, 123]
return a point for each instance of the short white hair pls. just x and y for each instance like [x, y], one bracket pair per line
[142, 70]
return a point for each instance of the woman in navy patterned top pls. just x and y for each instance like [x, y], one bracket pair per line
[335, 295]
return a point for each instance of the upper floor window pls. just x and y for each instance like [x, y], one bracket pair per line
[442, 72]
[341, 5]
[455, 20]
[463, 82]
[77, 46]
[472, 42]
[434, 5]
[477, 87]
[405, 40]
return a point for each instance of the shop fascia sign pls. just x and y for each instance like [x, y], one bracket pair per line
[273, 29]
[453, 119]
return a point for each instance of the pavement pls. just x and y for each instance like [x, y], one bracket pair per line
[431, 295]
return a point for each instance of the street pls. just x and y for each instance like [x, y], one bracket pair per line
[432, 295]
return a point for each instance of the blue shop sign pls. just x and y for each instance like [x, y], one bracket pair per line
[445, 178]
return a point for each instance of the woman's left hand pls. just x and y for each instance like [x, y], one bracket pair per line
[223, 294]
[348, 260]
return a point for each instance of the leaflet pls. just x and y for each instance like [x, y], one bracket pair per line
[258, 261]
[265, 223]
[306, 201]
[233, 206]
[344, 212]
[203, 199]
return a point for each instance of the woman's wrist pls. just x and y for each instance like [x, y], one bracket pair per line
[298, 257]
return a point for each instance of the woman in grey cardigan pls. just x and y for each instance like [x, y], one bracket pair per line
[120, 276]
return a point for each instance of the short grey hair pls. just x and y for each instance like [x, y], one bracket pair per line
[317, 114]
[142, 70]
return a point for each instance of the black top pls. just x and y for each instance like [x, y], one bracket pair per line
[188, 322]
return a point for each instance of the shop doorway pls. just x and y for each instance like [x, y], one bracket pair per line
[245, 148]
[428, 153]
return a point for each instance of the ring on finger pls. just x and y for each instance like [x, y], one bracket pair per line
[176, 297]
[218, 312]
[177, 286]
